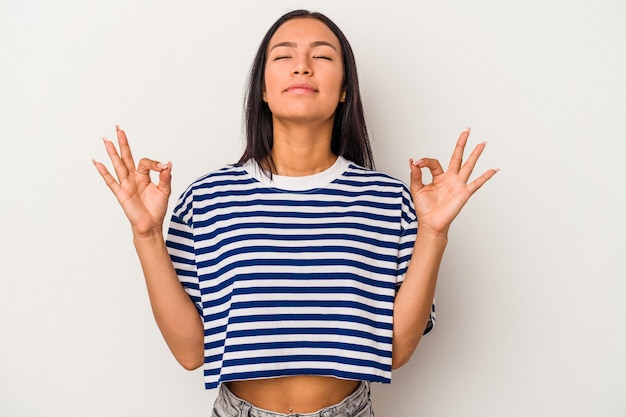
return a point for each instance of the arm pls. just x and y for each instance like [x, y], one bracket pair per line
[175, 313]
[414, 299]
[145, 204]
[436, 205]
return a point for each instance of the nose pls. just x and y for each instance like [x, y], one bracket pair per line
[302, 67]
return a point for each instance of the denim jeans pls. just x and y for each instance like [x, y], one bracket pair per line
[357, 404]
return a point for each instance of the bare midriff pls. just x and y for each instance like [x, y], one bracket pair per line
[294, 394]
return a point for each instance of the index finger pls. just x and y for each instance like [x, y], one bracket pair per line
[127, 155]
[457, 156]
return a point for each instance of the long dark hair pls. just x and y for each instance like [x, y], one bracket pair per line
[349, 136]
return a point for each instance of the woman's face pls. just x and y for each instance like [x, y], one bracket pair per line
[303, 72]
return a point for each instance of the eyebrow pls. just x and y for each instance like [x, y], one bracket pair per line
[313, 44]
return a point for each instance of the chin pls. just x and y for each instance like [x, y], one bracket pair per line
[303, 114]
[303, 118]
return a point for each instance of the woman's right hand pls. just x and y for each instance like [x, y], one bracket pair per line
[144, 202]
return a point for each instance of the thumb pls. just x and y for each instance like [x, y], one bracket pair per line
[416, 176]
[146, 165]
[165, 178]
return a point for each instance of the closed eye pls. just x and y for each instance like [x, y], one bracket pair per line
[281, 57]
[323, 57]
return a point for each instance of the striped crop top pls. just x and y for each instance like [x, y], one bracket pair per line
[294, 275]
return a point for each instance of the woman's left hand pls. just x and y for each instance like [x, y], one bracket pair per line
[437, 204]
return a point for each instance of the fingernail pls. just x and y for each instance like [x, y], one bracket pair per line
[106, 140]
[419, 161]
[468, 129]
[117, 127]
[162, 166]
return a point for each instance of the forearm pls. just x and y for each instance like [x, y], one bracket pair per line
[413, 302]
[175, 313]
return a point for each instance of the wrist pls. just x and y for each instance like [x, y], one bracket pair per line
[151, 235]
[426, 232]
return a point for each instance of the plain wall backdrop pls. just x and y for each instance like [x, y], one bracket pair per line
[531, 313]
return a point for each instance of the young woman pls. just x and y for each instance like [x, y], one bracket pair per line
[287, 275]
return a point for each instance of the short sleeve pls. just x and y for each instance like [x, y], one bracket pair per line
[408, 233]
[407, 240]
[431, 320]
[180, 245]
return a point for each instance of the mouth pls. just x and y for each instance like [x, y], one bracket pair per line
[301, 88]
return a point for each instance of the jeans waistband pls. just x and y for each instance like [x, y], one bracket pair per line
[228, 404]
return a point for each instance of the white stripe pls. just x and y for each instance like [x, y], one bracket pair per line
[331, 366]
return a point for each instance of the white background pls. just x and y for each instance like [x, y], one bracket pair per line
[531, 312]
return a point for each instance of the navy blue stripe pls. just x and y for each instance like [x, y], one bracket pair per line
[361, 172]
[331, 204]
[292, 227]
[297, 250]
[403, 259]
[310, 330]
[295, 263]
[270, 191]
[386, 284]
[182, 201]
[297, 371]
[185, 273]
[179, 246]
[409, 243]
[184, 261]
[253, 347]
[215, 302]
[304, 358]
[227, 171]
[204, 181]
[407, 218]
[208, 372]
[178, 232]
[228, 182]
[300, 237]
[240, 305]
[214, 358]
[366, 184]
[191, 285]
[214, 344]
[314, 290]
[291, 214]
[217, 285]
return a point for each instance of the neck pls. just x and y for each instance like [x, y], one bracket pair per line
[301, 150]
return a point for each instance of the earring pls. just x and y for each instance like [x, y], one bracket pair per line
[343, 97]
[264, 98]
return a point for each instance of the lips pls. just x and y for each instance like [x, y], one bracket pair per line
[301, 88]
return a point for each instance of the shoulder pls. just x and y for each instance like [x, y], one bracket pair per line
[223, 180]
[226, 174]
[366, 176]
[379, 184]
